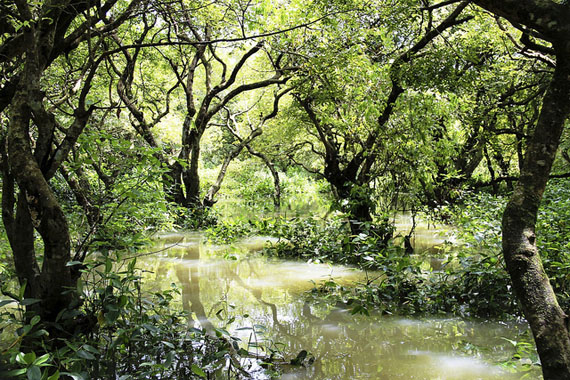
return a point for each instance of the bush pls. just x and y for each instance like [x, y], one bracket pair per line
[121, 333]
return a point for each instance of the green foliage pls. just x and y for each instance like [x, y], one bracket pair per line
[249, 189]
[227, 232]
[120, 332]
[193, 218]
[525, 355]
[472, 280]
[469, 280]
[479, 222]
[310, 239]
[553, 237]
[460, 102]
[403, 285]
[121, 181]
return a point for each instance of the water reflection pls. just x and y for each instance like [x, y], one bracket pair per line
[426, 238]
[189, 278]
[266, 298]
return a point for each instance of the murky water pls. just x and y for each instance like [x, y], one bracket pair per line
[266, 298]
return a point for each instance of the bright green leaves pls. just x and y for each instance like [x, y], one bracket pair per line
[34, 367]
[198, 371]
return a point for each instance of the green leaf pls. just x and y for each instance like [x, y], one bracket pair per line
[30, 301]
[80, 286]
[29, 358]
[198, 371]
[150, 328]
[169, 359]
[131, 266]
[6, 302]
[85, 355]
[34, 373]
[220, 332]
[112, 316]
[91, 349]
[35, 320]
[123, 301]
[22, 290]
[16, 372]
[41, 360]
[55, 376]
[38, 333]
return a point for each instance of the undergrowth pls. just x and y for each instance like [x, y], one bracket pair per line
[121, 333]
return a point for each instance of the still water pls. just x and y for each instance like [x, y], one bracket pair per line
[266, 298]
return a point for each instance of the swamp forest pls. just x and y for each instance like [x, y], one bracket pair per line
[285, 189]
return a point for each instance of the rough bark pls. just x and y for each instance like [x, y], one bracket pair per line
[548, 18]
[45, 213]
[547, 320]
[32, 152]
[19, 229]
[532, 287]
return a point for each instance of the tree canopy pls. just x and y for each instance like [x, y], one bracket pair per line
[112, 111]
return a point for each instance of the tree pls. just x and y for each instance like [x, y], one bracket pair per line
[37, 139]
[210, 81]
[349, 117]
[548, 21]
[245, 142]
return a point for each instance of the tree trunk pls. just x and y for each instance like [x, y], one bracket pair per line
[37, 206]
[172, 184]
[20, 233]
[274, 174]
[213, 190]
[358, 211]
[276, 183]
[547, 320]
[191, 176]
[243, 142]
[45, 213]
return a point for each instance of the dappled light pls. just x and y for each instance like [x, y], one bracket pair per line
[295, 189]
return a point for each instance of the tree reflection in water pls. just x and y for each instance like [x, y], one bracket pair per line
[232, 282]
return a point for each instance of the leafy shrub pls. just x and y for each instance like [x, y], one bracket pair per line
[472, 281]
[121, 334]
